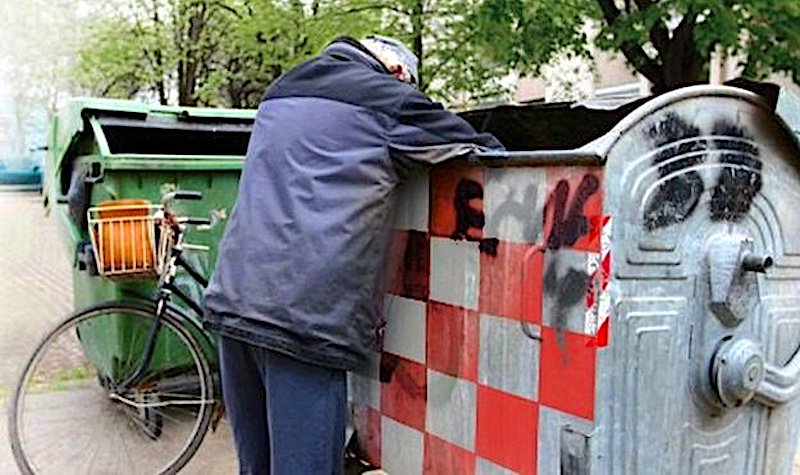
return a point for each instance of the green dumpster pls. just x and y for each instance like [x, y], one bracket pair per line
[110, 150]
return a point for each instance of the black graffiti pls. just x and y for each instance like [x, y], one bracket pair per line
[677, 197]
[569, 290]
[739, 183]
[569, 224]
[388, 365]
[416, 266]
[469, 218]
[565, 292]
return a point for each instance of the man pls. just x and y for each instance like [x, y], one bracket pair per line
[297, 292]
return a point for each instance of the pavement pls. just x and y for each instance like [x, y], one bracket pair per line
[35, 293]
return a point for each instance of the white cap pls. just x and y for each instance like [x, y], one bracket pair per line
[392, 52]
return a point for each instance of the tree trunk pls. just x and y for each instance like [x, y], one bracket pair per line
[160, 87]
[417, 24]
[188, 66]
[678, 62]
[681, 64]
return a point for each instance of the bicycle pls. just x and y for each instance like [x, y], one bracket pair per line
[122, 386]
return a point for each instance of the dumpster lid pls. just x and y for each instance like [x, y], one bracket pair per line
[572, 132]
[120, 127]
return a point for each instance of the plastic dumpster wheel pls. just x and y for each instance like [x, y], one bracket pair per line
[68, 414]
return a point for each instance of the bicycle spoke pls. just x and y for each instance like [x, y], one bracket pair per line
[68, 423]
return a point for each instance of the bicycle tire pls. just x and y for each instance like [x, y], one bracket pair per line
[19, 422]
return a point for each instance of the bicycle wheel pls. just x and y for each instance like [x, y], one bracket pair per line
[70, 414]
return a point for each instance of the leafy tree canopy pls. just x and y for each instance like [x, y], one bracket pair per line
[668, 41]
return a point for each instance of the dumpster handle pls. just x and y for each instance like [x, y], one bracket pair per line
[537, 158]
[781, 384]
[533, 332]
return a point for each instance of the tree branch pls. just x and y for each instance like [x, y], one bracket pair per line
[387, 6]
[643, 4]
[450, 57]
[633, 51]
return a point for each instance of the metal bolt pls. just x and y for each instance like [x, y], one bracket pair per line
[754, 263]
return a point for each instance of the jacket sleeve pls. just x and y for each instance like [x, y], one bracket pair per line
[425, 132]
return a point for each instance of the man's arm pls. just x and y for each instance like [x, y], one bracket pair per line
[426, 133]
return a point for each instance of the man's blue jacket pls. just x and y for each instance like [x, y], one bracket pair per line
[301, 264]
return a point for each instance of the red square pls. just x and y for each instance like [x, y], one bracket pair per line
[457, 202]
[508, 429]
[452, 340]
[573, 212]
[367, 423]
[566, 377]
[409, 265]
[404, 388]
[511, 282]
[444, 458]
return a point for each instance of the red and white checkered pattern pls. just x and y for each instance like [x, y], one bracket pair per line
[459, 386]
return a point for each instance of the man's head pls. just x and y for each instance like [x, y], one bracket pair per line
[397, 58]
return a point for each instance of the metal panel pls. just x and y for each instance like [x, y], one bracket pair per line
[558, 344]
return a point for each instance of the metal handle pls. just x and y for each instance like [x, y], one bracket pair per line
[532, 332]
[192, 221]
[780, 384]
[182, 195]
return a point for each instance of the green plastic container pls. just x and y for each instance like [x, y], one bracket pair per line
[108, 149]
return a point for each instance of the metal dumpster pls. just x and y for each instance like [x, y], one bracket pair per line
[620, 295]
[106, 149]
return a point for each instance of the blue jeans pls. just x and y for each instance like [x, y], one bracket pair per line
[287, 417]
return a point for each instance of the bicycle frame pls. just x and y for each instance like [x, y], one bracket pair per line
[166, 290]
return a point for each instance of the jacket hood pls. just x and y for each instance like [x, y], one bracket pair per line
[354, 51]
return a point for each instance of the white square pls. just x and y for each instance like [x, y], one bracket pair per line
[552, 425]
[509, 359]
[405, 327]
[513, 201]
[455, 272]
[451, 409]
[401, 447]
[411, 206]
[485, 467]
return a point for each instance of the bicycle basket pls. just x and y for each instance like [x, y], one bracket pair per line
[123, 236]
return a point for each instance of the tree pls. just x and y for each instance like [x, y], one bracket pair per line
[441, 35]
[154, 46]
[270, 37]
[226, 52]
[667, 41]
[207, 52]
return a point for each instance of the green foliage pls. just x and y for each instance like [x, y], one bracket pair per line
[114, 60]
[208, 52]
[527, 34]
[227, 52]
[270, 37]
[668, 41]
